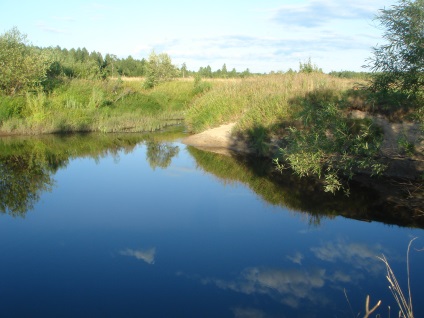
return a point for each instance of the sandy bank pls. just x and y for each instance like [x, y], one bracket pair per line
[219, 139]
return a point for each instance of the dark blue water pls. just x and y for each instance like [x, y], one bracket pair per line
[120, 236]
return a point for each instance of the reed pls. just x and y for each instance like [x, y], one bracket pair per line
[403, 301]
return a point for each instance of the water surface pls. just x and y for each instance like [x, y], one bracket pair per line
[142, 226]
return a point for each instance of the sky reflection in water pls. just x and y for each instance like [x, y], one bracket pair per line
[122, 235]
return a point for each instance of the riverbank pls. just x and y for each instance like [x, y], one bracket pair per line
[328, 127]
[78, 105]
[224, 139]
[399, 189]
[219, 140]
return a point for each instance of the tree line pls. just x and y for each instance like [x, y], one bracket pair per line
[397, 66]
[25, 67]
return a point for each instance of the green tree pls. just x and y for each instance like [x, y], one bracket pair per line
[245, 73]
[398, 64]
[22, 67]
[308, 67]
[159, 69]
[110, 62]
[224, 71]
[233, 73]
[184, 70]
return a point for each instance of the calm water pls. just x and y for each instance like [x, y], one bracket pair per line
[142, 226]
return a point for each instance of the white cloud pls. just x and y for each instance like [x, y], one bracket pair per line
[147, 256]
[43, 26]
[360, 256]
[286, 285]
[293, 287]
[265, 53]
[296, 258]
[240, 312]
[322, 12]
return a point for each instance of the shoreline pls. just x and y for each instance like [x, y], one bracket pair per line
[402, 167]
[219, 140]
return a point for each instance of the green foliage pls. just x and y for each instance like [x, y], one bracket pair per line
[256, 101]
[286, 190]
[22, 67]
[11, 107]
[96, 105]
[405, 146]
[351, 74]
[326, 144]
[200, 86]
[184, 70]
[207, 72]
[131, 66]
[159, 69]
[398, 64]
[308, 67]
[259, 137]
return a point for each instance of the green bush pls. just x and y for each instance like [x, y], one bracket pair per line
[24, 67]
[324, 143]
[11, 107]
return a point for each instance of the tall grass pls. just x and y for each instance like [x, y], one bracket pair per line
[95, 105]
[306, 113]
[254, 101]
[404, 302]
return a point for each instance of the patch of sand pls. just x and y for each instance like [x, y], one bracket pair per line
[219, 139]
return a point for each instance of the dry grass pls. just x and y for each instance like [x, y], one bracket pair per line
[129, 79]
[258, 101]
[404, 302]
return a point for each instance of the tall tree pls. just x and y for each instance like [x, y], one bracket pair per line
[184, 70]
[224, 71]
[22, 66]
[398, 64]
[159, 69]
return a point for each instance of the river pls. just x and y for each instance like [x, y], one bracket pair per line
[130, 225]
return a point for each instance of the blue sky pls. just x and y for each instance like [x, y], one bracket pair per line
[262, 35]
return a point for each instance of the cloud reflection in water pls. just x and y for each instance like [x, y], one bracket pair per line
[286, 285]
[292, 286]
[147, 256]
[360, 256]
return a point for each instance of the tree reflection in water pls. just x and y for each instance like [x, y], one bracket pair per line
[23, 179]
[304, 196]
[160, 154]
[28, 164]
[27, 167]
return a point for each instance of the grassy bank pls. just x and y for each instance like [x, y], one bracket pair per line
[310, 118]
[96, 105]
[259, 101]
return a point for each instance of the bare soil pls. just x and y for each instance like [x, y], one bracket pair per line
[219, 140]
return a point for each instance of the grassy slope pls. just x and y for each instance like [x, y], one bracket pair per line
[258, 101]
[307, 115]
[105, 106]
